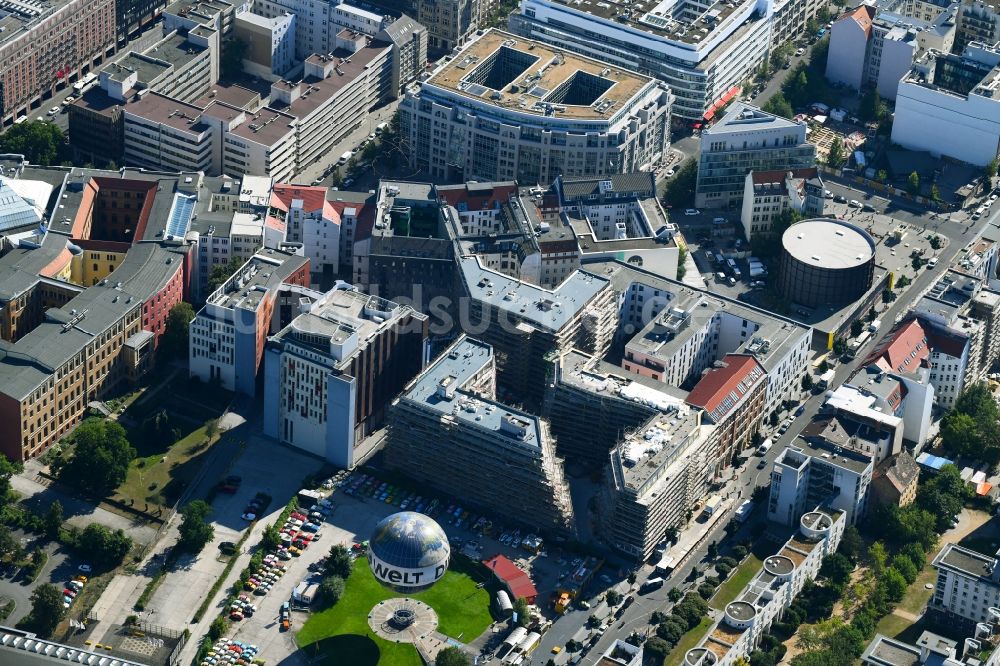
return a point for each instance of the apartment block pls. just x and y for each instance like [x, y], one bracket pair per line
[447, 422]
[449, 24]
[894, 481]
[270, 43]
[731, 395]
[764, 600]
[465, 121]
[967, 587]
[226, 340]
[182, 15]
[131, 16]
[312, 224]
[978, 21]
[654, 477]
[747, 139]
[812, 472]
[767, 194]
[885, 408]
[527, 325]
[331, 373]
[45, 46]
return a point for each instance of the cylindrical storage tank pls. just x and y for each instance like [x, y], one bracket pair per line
[529, 642]
[740, 614]
[825, 262]
[779, 566]
[700, 656]
[503, 604]
[815, 525]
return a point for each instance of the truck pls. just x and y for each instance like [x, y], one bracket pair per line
[757, 271]
[857, 343]
[712, 504]
[744, 511]
[84, 83]
[873, 327]
[825, 380]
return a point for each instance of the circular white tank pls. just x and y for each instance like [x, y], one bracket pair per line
[700, 656]
[740, 614]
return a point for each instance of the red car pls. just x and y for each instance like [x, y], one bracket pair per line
[300, 516]
[69, 592]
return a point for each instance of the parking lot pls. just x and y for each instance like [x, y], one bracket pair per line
[14, 585]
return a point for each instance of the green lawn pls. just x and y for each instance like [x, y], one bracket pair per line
[738, 579]
[341, 633]
[688, 641]
[160, 477]
[917, 595]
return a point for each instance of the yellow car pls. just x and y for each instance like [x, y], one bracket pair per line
[556, 650]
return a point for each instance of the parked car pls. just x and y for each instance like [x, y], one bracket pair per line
[85, 568]
[692, 211]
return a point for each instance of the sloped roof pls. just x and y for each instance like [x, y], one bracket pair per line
[517, 581]
[15, 212]
[313, 199]
[720, 390]
[904, 350]
[863, 16]
[901, 470]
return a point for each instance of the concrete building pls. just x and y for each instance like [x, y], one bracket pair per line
[747, 139]
[978, 21]
[886, 403]
[949, 105]
[876, 48]
[808, 473]
[570, 115]
[894, 481]
[967, 587]
[654, 477]
[448, 421]
[930, 648]
[226, 339]
[270, 52]
[409, 51]
[732, 397]
[616, 216]
[319, 22]
[703, 52]
[621, 653]
[771, 591]
[527, 325]
[23, 648]
[46, 46]
[360, 351]
[186, 15]
[767, 194]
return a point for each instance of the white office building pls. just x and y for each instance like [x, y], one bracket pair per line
[967, 587]
[949, 105]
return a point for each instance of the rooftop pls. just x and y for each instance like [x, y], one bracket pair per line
[796, 454]
[19, 648]
[594, 374]
[238, 96]
[967, 562]
[643, 459]
[444, 388]
[174, 113]
[828, 243]
[261, 273]
[886, 651]
[742, 117]
[540, 307]
[723, 388]
[534, 78]
[629, 185]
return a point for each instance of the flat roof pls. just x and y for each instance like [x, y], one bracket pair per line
[237, 96]
[268, 268]
[967, 562]
[549, 309]
[553, 74]
[441, 389]
[266, 127]
[643, 459]
[831, 455]
[828, 243]
[168, 111]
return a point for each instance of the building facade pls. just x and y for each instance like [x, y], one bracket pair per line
[747, 139]
[464, 122]
[967, 587]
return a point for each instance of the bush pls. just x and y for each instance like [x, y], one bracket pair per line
[330, 590]
[706, 591]
[217, 628]
[723, 570]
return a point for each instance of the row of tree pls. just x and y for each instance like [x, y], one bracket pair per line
[972, 428]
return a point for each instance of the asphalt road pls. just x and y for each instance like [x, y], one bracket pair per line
[636, 618]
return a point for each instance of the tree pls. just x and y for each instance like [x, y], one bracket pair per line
[223, 272]
[713, 550]
[231, 62]
[613, 597]
[656, 649]
[807, 382]
[40, 142]
[451, 656]
[836, 157]
[894, 583]
[779, 106]
[195, 531]
[991, 170]
[53, 519]
[7, 470]
[872, 107]
[785, 219]
[888, 295]
[935, 193]
[913, 183]
[680, 188]
[837, 568]
[8, 544]
[339, 563]
[270, 538]
[856, 328]
[878, 556]
[174, 341]
[675, 594]
[521, 610]
[881, 176]
[102, 546]
[100, 459]
[46, 609]
[959, 432]
[904, 566]
[839, 346]
[330, 590]
[682, 254]
[671, 631]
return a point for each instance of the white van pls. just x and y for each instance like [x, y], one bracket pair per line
[764, 447]
[21, 119]
[346, 156]
[381, 127]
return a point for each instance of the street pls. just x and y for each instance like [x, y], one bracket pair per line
[636, 617]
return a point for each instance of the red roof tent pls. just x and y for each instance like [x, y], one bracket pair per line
[517, 582]
[731, 93]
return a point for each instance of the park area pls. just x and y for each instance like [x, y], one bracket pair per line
[340, 634]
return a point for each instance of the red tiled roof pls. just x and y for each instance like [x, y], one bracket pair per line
[479, 198]
[313, 199]
[904, 350]
[518, 583]
[863, 16]
[778, 175]
[720, 390]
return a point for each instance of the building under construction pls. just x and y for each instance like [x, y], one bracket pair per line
[448, 431]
